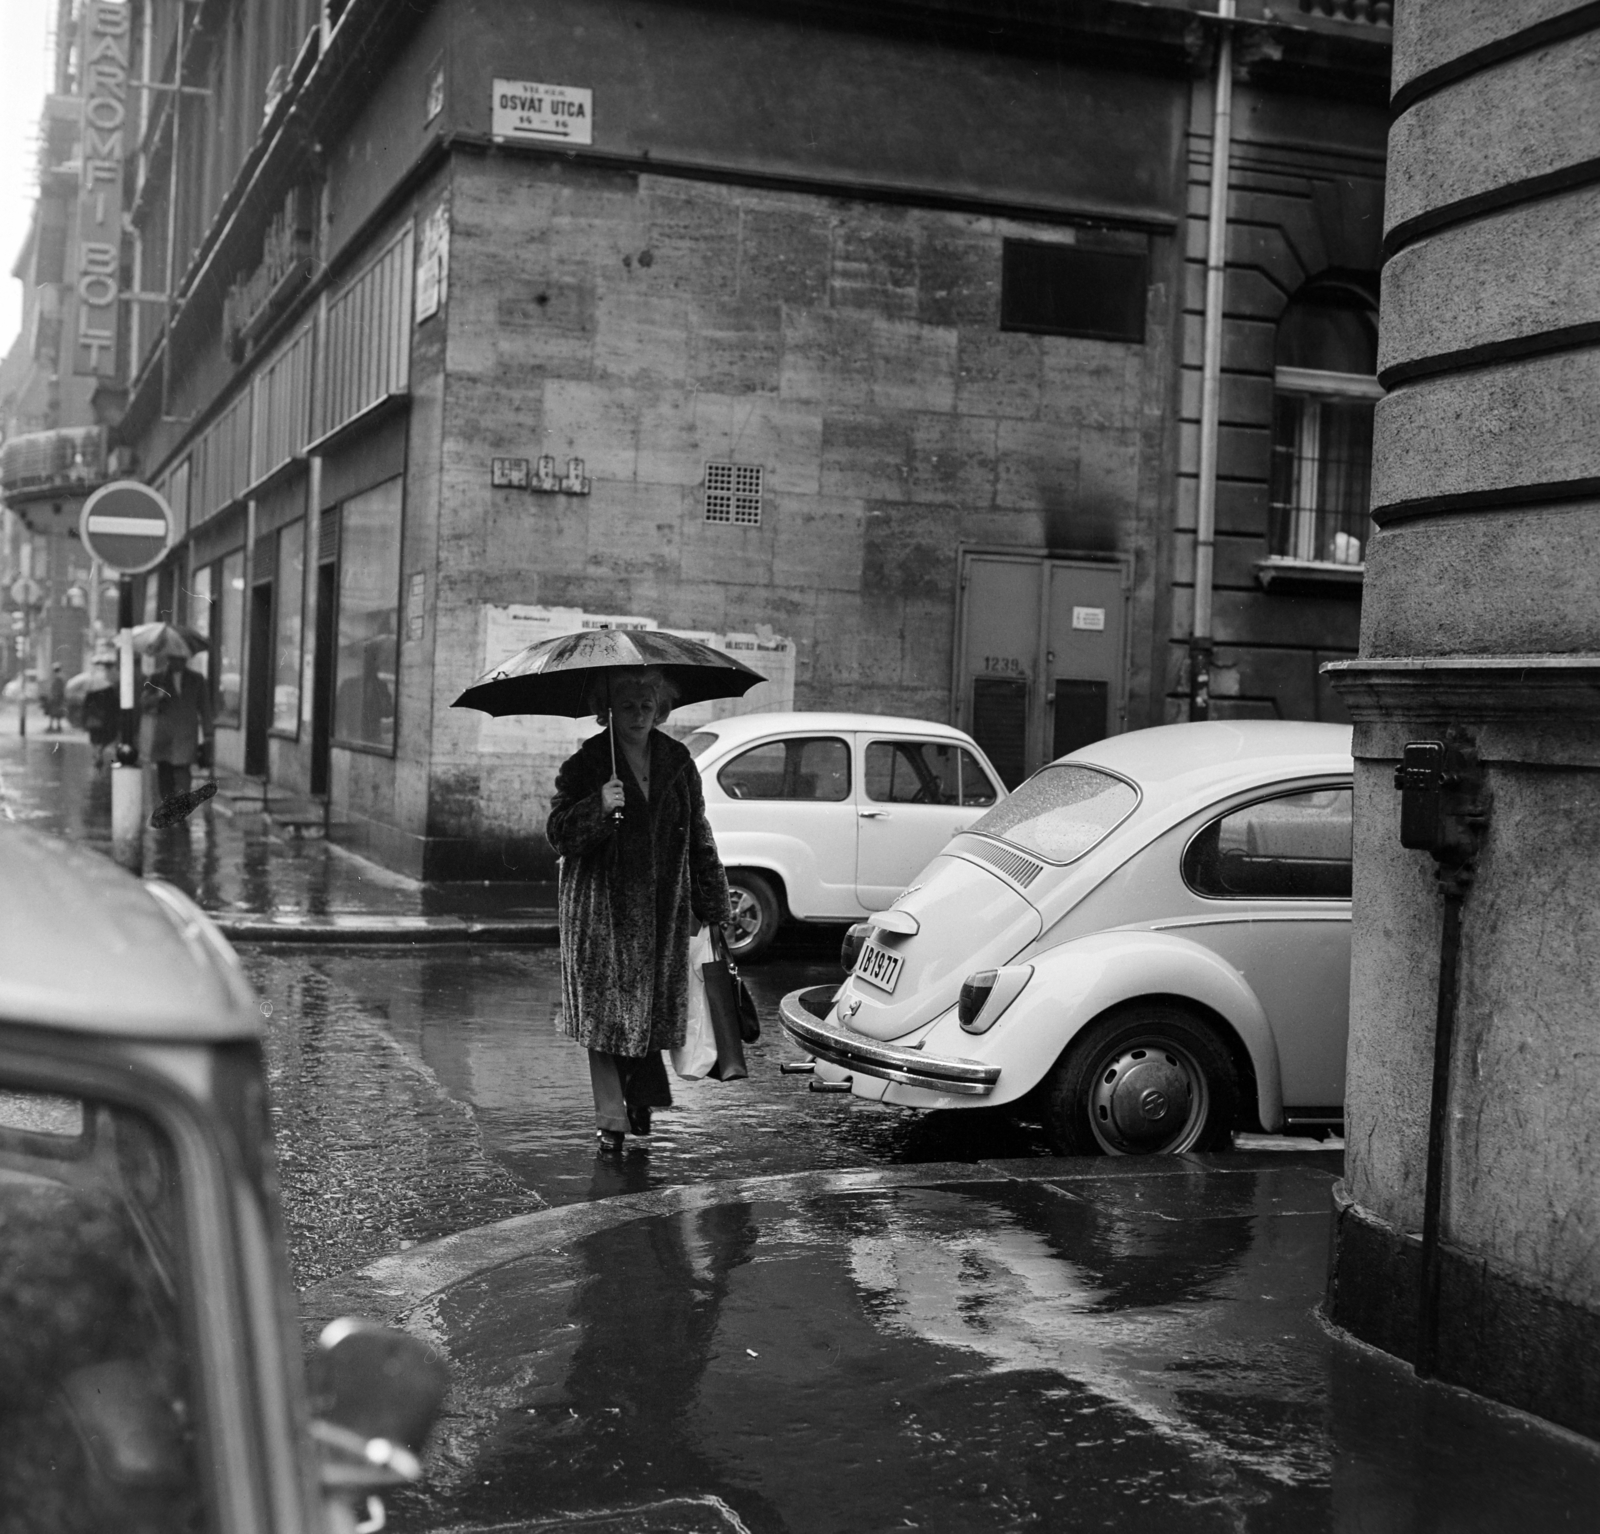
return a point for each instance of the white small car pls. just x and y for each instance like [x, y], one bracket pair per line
[827, 817]
[1149, 942]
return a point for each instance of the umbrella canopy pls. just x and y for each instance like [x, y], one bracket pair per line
[555, 675]
[166, 640]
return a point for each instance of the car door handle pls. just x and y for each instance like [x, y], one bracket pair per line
[873, 814]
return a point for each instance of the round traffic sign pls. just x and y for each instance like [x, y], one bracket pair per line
[126, 526]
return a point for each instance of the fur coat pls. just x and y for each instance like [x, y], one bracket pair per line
[630, 895]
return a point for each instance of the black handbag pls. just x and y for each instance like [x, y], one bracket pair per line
[734, 1019]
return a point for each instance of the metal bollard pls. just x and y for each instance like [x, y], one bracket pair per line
[127, 817]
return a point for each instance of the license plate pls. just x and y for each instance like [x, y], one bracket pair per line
[877, 966]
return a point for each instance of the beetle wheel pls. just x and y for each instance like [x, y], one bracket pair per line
[1150, 1080]
[755, 915]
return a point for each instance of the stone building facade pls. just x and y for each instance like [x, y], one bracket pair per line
[860, 339]
[1473, 1169]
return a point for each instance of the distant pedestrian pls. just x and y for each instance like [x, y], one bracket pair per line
[101, 713]
[175, 731]
[632, 890]
[55, 700]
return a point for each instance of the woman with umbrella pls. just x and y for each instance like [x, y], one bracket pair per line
[175, 731]
[639, 868]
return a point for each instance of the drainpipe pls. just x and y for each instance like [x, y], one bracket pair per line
[1205, 535]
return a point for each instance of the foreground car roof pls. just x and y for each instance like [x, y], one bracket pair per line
[739, 727]
[87, 947]
[1177, 761]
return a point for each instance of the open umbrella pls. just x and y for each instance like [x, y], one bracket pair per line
[165, 640]
[555, 676]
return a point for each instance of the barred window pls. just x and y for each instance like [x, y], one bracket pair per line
[733, 493]
[1324, 392]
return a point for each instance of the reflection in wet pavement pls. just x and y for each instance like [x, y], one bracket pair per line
[1083, 1353]
[471, 1036]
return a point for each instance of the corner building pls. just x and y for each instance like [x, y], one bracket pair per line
[863, 340]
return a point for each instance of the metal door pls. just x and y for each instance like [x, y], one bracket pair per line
[1041, 656]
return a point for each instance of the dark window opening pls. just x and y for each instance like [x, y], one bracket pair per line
[1061, 290]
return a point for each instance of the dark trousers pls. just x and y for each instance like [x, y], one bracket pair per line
[621, 1081]
[172, 778]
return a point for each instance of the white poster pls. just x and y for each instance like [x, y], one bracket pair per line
[550, 740]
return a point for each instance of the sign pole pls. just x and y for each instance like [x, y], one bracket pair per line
[127, 777]
[27, 665]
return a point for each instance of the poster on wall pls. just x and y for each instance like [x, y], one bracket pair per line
[506, 630]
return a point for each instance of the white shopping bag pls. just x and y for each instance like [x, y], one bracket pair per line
[698, 1053]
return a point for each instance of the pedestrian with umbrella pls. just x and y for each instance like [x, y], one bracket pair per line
[638, 866]
[175, 705]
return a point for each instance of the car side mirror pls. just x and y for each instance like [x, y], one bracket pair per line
[375, 1393]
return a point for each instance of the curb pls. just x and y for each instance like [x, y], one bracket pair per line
[395, 1287]
[360, 927]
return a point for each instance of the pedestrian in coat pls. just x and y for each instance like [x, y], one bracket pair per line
[55, 700]
[175, 731]
[632, 890]
[102, 714]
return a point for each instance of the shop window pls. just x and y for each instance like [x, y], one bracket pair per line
[290, 594]
[200, 615]
[228, 637]
[369, 609]
[1064, 290]
[1324, 394]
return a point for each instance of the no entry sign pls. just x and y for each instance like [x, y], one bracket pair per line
[126, 526]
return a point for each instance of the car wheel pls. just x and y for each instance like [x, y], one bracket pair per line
[1148, 1080]
[755, 917]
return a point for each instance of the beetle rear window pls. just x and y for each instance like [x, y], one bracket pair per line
[1061, 811]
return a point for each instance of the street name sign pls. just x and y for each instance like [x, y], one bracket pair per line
[127, 526]
[525, 110]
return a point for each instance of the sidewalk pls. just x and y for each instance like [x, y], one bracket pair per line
[249, 858]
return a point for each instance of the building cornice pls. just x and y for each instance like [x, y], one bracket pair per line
[1538, 710]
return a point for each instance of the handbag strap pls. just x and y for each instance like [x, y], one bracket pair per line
[719, 947]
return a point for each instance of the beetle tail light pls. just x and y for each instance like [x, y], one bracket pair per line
[975, 992]
[850, 950]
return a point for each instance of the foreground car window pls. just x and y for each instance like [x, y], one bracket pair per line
[701, 742]
[1295, 846]
[924, 772]
[96, 1424]
[811, 767]
[1061, 812]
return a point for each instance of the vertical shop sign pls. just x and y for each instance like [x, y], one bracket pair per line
[97, 277]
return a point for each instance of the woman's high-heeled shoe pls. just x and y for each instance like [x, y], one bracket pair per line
[611, 1141]
[639, 1118]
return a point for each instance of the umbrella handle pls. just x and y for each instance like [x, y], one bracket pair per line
[611, 732]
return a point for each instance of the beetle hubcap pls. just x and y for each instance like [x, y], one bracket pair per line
[1147, 1095]
[746, 912]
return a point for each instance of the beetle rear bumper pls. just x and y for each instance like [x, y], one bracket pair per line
[890, 1062]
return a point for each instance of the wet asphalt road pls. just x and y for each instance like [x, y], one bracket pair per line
[421, 1091]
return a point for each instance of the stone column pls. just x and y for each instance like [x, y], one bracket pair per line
[1481, 618]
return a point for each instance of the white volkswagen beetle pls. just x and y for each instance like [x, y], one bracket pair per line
[826, 816]
[1149, 941]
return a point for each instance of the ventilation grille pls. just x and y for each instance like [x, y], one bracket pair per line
[1020, 870]
[733, 493]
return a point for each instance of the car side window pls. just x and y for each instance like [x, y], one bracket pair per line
[1292, 846]
[924, 772]
[807, 767]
